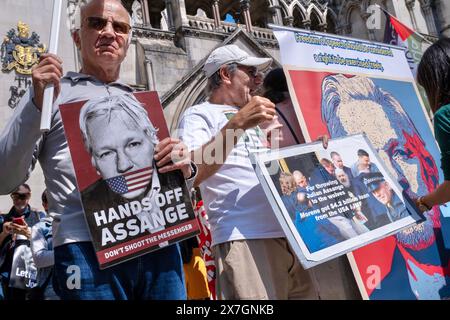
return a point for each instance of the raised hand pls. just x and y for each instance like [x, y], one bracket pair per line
[48, 71]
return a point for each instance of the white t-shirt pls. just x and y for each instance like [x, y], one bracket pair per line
[234, 199]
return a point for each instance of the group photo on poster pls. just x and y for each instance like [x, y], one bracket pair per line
[129, 206]
[333, 200]
[343, 86]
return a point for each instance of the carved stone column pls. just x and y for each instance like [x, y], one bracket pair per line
[151, 81]
[179, 13]
[169, 14]
[245, 10]
[429, 17]
[216, 12]
[289, 21]
[307, 24]
[275, 12]
[323, 27]
[371, 33]
[146, 12]
[410, 5]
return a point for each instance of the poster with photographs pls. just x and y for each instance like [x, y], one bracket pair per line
[130, 208]
[332, 201]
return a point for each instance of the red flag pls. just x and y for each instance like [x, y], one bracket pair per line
[403, 31]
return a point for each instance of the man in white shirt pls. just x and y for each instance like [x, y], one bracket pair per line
[252, 256]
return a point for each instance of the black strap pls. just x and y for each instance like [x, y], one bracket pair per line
[297, 141]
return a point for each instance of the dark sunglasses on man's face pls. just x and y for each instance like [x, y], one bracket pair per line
[251, 71]
[98, 23]
[20, 196]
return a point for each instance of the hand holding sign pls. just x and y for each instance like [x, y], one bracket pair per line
[45, 75]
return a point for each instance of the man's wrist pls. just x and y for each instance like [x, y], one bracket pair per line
[423, 206]
[233, 124]
[33, 100]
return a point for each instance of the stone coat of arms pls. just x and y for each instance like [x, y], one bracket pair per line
[20, 51]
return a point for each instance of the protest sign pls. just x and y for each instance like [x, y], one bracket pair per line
[24, 272]
[130, 208]
[342, 86]
[204, 243]
[328, 211]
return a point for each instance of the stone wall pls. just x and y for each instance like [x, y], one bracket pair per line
[37, 14]
[442, 9]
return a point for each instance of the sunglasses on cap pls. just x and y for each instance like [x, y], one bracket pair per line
[20, 196]
[99, 23]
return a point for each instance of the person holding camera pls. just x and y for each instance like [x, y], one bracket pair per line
[15, 232]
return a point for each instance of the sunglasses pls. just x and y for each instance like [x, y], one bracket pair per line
[251, 71]
[20, 196]
[98, 23]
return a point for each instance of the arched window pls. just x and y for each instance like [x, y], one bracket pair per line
[156, 8]
[157, 13]
[315, 21]
[298, 18]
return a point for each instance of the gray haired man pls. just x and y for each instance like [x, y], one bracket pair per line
[252, 256]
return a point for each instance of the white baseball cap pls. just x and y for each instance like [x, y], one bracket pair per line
[232, 54]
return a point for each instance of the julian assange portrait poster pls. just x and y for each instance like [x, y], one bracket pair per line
[130, 208]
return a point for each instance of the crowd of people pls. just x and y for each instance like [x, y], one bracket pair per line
[26, 245]
[22, 226]
[252, 257]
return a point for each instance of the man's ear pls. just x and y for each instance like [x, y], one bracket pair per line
[76, 38]
[225, 75]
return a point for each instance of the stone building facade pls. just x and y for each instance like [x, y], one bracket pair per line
[172, 38]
